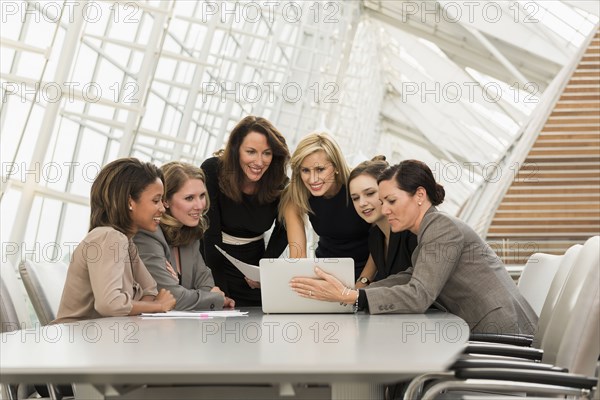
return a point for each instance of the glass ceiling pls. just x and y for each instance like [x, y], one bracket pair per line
[82, 83]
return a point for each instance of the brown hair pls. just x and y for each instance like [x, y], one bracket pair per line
[373, 167]
[412, 174]
[231, 175]
[118, 181]
[176, 175]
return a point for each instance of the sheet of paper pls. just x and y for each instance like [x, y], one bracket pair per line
[251, 271]
[196, 314]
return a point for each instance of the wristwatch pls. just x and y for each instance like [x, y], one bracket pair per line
[363, 279]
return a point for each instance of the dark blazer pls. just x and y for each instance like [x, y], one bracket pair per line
[196, 278]
[456, 269]
[399, 252]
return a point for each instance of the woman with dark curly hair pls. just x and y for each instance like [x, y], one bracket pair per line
[244, 183]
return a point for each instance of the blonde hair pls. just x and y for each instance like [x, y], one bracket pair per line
[176, 175]
[296, 193]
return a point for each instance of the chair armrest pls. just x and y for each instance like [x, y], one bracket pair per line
[531, 376]
[496, 363]
[516, 340]
[507, 351]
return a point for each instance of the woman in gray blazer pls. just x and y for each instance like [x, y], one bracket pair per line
[172, 252]
[453, 268]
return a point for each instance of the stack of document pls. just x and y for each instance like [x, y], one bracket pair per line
[196, 314]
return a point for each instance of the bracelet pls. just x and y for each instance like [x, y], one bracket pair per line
[355, 307]
[346, 290]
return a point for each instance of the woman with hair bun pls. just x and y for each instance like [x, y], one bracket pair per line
[453, 267]
[390, 251]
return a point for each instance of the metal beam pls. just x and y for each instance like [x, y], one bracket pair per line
[499, 56]
[144, 76]
[66, 58]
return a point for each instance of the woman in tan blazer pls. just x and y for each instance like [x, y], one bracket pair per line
[453, 268]
[106, 277]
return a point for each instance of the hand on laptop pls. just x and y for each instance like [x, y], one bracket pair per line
[325, 287]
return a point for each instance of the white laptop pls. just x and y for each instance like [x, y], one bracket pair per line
[279, 298]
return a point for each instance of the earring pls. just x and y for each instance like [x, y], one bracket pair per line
[166, 206]
[130, 208]
[419, 203]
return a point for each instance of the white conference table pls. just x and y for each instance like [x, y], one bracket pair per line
[354, 355]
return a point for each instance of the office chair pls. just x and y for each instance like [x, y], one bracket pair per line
[9, 322]
[537, 277]
[567, 261]
[577, 351]
[574, 349]
[555, 291]
[582, 263]
[18, 295]
[44, 283]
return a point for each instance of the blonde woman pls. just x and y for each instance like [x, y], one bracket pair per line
[172, 252]
[318, 191]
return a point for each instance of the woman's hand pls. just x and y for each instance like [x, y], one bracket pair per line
[229, 303]
[324, 287]
[165, 299]
[216, 289]
[172, 271]
[252, 284]
[360, 285]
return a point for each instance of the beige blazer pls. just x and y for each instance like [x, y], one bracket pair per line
[455, 269]
[105, 276]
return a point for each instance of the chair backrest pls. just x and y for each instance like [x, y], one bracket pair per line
[580, 347]
[574, 306]
[536, 278]
[558, 283]
[44, 283]
[9, 320]
[15, 290]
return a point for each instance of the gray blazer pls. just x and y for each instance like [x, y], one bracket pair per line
[196, 278]
[455, 269]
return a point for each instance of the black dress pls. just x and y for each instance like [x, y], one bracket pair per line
[342, 233]
[244, 220]
[399, 253]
